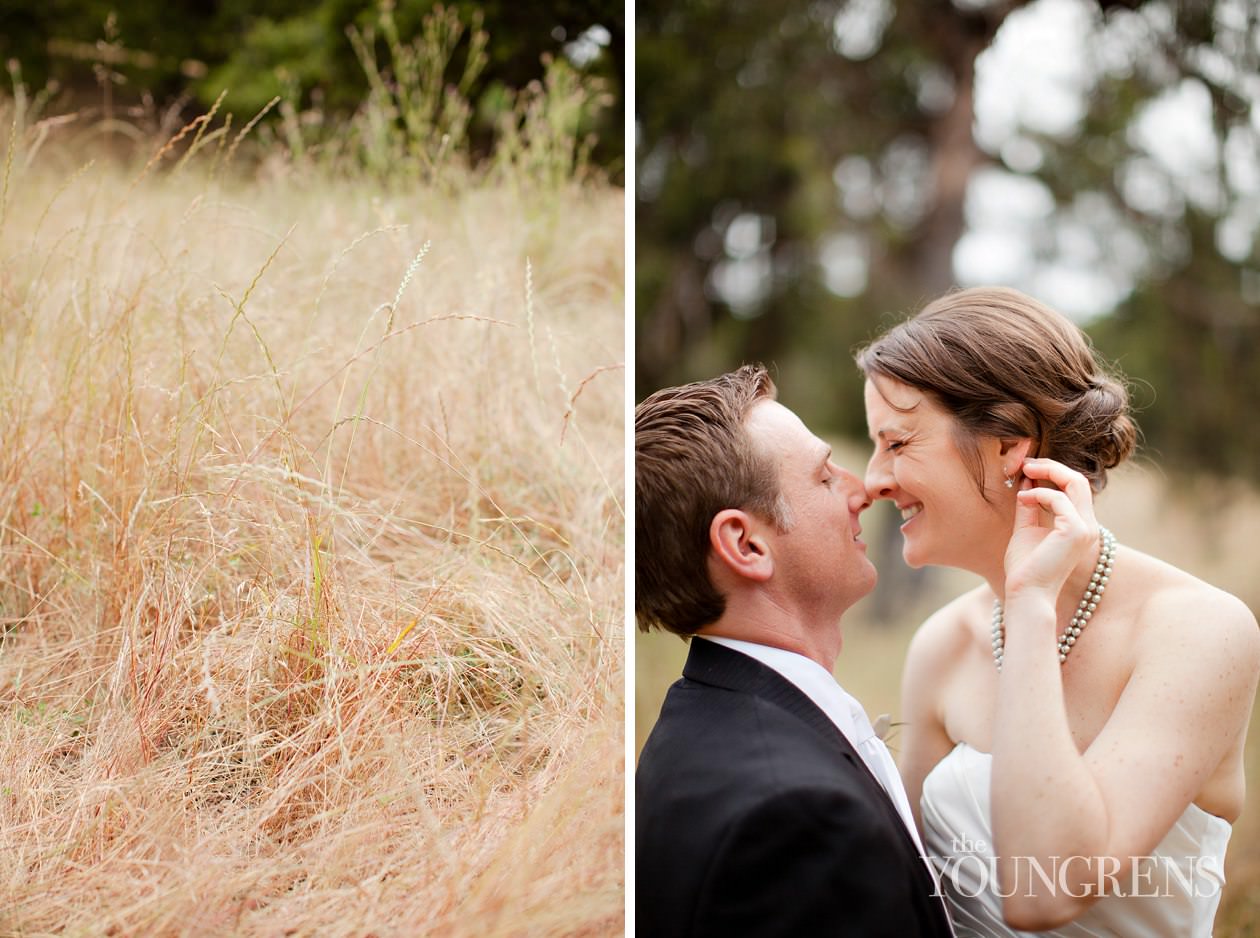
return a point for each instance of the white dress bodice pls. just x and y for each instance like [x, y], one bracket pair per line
[1173, 893]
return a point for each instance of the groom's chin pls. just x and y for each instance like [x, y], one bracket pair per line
[872, 577]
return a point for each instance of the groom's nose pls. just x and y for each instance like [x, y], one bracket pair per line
[859, 501]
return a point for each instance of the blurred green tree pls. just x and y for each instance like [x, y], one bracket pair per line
[806, 172]
[256, 49]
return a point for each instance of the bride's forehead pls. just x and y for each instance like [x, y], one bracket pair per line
[889, 393]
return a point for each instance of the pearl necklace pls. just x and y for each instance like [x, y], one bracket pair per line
[1084, 611]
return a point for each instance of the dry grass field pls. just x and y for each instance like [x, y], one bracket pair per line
[311, 549]
[1207, 528]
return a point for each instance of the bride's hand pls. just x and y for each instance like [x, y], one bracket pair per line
[1054, 527]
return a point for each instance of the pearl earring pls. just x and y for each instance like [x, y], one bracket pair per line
[1010, 483]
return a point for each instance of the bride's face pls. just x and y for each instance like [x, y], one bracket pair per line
[917, 466]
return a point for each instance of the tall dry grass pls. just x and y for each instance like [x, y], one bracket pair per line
[311, 550]
[1205, 527]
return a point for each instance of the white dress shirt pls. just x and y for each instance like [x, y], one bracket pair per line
[821, 687]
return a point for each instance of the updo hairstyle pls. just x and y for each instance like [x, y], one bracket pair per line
[1007, 366]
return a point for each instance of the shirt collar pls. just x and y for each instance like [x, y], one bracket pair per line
[811, 679]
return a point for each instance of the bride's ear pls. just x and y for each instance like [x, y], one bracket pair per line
[1013, 451]
[739, 545]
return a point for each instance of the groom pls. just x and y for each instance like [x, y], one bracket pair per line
[764, 802]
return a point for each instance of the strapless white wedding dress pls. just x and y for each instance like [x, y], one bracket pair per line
[1172, 894]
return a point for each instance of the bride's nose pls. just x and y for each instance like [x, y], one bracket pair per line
[879, 481]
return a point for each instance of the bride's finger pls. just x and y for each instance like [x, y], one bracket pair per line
[1067, 515]
[1027, 510]
[1068, 480]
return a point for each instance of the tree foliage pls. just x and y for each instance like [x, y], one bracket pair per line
[305, 53]
[807, 172]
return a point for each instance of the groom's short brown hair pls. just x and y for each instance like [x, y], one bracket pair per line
[693, 458]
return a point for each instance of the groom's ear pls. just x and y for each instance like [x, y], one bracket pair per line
[739, 544]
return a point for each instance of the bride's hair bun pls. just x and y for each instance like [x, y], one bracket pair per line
[1095, 433]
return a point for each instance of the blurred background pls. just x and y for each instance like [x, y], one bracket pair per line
[808, 174]
[104, 61]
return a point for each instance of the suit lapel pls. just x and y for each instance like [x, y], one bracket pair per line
[711, 663]
[719, 666]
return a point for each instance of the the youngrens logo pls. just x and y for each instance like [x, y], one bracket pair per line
[973, 871]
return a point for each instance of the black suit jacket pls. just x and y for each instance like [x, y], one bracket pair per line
[755, 816]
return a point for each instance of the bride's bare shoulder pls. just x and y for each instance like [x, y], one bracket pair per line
[1160, 584]
[1169, 599]
[948, 634]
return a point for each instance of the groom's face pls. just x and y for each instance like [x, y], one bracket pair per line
[818, 557]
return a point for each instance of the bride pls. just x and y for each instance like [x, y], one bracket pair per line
[1074, 730]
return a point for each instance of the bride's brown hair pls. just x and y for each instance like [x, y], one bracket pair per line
[1008, 366]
